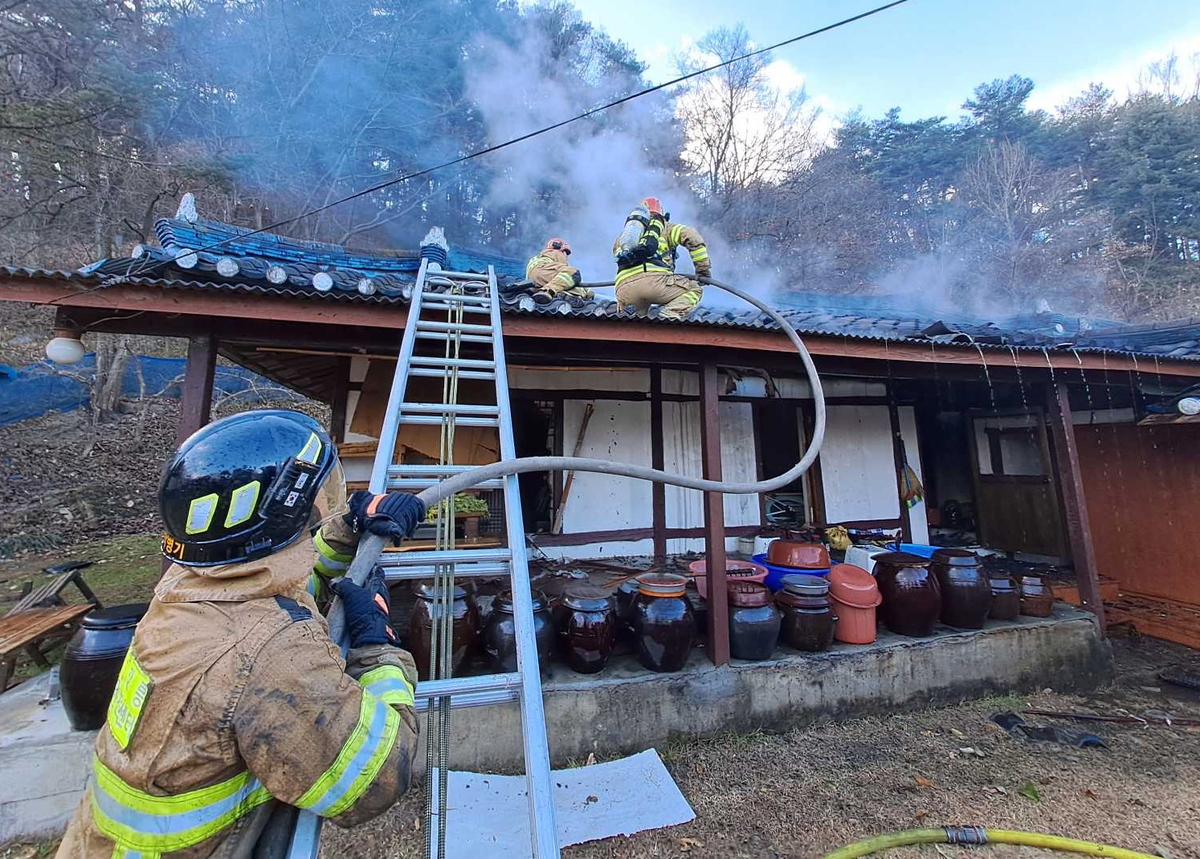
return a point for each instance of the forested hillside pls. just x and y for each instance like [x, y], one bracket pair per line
[111, 109]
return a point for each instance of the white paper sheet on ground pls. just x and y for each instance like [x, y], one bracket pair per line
[488, 815]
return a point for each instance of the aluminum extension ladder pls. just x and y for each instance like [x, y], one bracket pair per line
[459, 294]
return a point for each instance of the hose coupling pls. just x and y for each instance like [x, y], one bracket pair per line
[966, 835]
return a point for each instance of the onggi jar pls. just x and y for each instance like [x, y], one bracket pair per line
[464, 614]
[753, 621]
[500, 632]
[585, 619]
[808, 618]
[665, 624]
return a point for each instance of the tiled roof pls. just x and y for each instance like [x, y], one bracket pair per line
[391, 274]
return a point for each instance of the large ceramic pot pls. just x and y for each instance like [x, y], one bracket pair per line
[585, 621]
[1037, 597]
[666, 626]
[754, 621]
[464, 613]
[93, 661]
[808, 619]
[912, 599]
[966, 593]
[1006, 599]
[500, 632]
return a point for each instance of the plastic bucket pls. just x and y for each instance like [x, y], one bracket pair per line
[742, 571]
[854, 596]
[775, 573]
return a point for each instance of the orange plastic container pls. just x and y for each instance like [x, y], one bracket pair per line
[855, 596]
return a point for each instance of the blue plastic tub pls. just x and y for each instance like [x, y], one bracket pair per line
[775, 573]
[919, 549]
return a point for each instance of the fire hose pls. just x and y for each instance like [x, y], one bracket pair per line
[371, 546]
[977, 835]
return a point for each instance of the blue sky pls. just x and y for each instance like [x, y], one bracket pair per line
[928, 55]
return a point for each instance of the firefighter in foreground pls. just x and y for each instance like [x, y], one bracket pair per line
[554, 278]
[232, 695]
[645, 254]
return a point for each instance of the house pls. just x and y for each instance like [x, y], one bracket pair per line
[1060, 438]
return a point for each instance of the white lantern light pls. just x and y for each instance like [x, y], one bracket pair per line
[366, 286]
[277, 274]
[66, 347]
[322, 281]
[227, 267]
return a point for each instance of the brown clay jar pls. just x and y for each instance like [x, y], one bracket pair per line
[1006, 599]
[966, 593]
[666, 626]
[754, 621]
[808, 618]
[1037, 597]
[626, 594]
[464, 613]
[912, 599]
[500, 632]
[92, 663]
[585, 621]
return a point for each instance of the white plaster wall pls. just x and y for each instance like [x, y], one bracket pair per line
[606, 379]
[858, 467]
[917, 513]
[688, 383]
[681, 455]
[358, 373]
[618, 431]
[609, 549]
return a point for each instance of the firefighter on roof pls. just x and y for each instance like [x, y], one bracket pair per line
[645, 254]
[232, 695]
[554, 278]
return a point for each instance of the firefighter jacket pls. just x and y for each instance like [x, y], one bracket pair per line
[232, 696]
[549, 269]
[669, 237]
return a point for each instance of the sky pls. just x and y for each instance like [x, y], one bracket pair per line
[926, 56]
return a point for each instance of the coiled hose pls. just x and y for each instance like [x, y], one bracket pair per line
[370, 547]
[977, 835]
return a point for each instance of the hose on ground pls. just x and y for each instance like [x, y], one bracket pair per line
[370, 547]
[976, 835]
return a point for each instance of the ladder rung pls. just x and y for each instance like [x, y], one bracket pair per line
[459, 275]
[464, 363]
[446, 556]
[449, 409]
[419, 483]
[442, 337]
[475, 699]
[436, 421]
[461, 571]
[466, 685]
[467, 308]
[434, 373]
[460, 297]
[452, 327]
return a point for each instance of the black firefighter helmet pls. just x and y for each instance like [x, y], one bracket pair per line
[243, 487]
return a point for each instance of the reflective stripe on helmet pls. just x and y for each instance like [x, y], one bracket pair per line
[388, 684]
[242, 503]
[359, 761]
[311, 451]
[139, 821]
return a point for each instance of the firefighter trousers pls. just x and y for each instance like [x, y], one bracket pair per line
[677, 295]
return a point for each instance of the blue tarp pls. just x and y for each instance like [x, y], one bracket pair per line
[28, 392]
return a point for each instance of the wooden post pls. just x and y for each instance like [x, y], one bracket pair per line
[1074, 502]
[714, 517]
[338, 395]
[658, 492]
[195, 397]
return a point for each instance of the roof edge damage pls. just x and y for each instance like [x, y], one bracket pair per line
[197, 254]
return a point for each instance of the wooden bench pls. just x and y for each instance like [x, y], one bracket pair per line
[50, 594]
[25, 631]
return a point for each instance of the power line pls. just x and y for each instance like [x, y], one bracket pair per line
[522, 138]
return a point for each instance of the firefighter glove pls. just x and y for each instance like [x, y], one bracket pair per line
[394, 515]
[368, 614]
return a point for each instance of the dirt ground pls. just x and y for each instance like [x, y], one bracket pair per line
[811, 790]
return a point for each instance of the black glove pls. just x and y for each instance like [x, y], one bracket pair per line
[394, 515]
[368, 618]
[577, 278]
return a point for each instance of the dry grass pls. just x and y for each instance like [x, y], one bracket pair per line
[808, 791]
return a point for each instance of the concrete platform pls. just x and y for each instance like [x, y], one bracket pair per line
[44, 765]
[626, 709]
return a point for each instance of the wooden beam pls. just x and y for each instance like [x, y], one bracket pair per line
[225, 304]
[714, 516]
[658, 491]
[195, 398]
[338, 396]
[1074, 501]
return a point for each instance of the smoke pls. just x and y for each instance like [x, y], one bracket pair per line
[580, 182]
